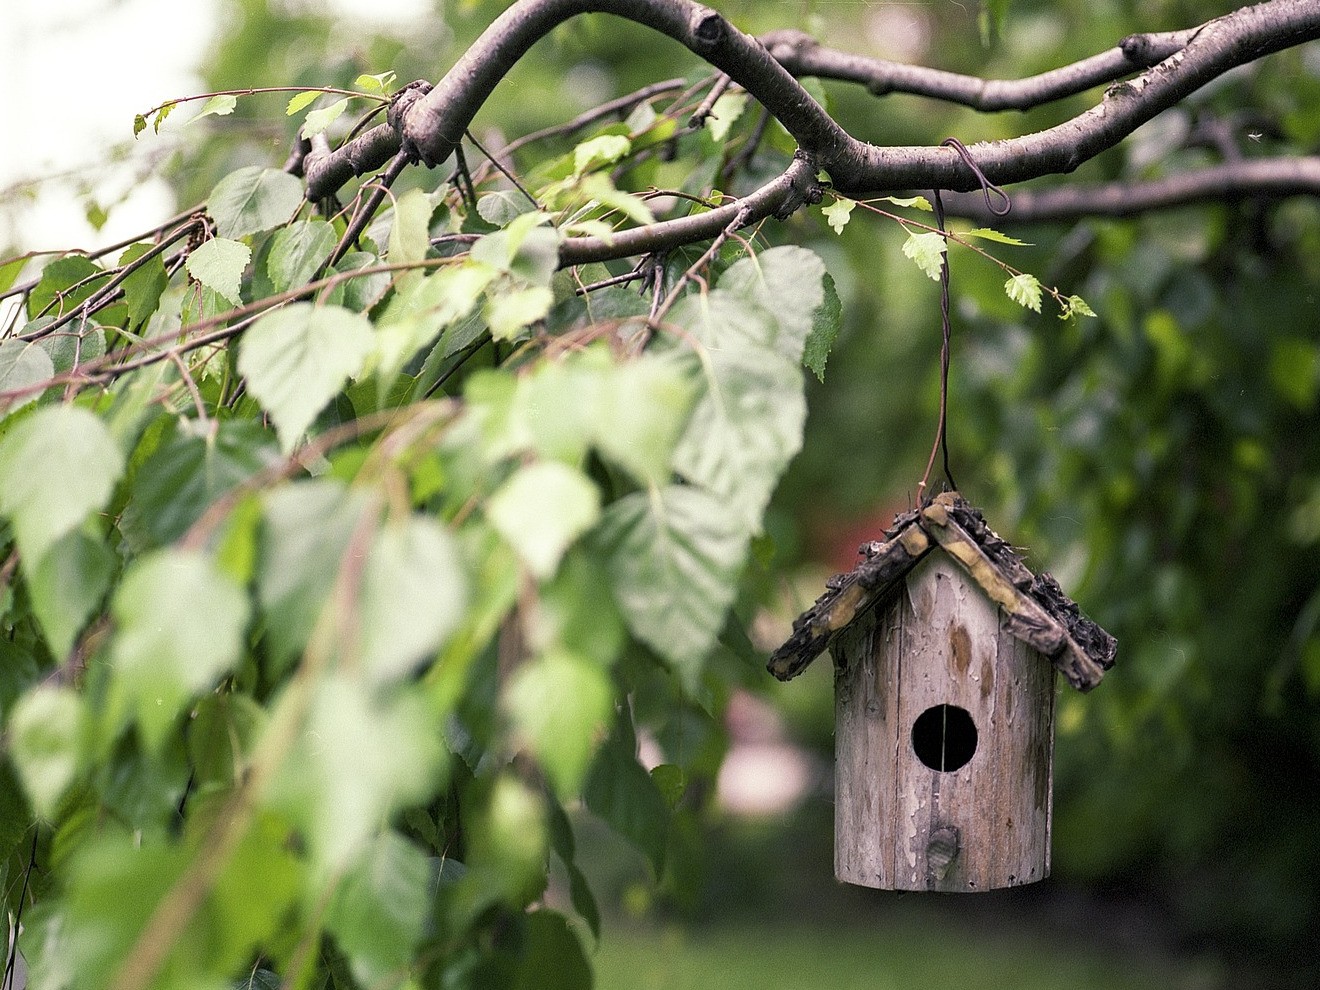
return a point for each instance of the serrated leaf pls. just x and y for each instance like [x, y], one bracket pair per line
[300, 101]
[252, 199]
[603, 150]
[379, 82]
[910, 202]
[1075, 306]
[180, 625]
[414, 591]
[645, 406]
[826, 322]
[296, 360]
[64, 283]
[508, 312]
[219, 265]
[318, 120]
[674, 555]
[744, 430]
[297, 251]
[23, 364]
[162, 114]
[541, 510]
[1024, 289]
[560, 703]
[988, 234]
[599, 187]
[56, 466]
[220, 105]
[67, 585]
[838, 214]
[725, 113]
[927, 250]
[139, 124]
[624, 796]
[785, 282]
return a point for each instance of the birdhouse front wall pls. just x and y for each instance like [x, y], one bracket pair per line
[910, 813]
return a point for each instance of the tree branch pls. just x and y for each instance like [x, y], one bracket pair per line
[803, 55]
[1246, 178]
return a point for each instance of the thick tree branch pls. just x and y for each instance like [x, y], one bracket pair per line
[432, 122]
[1243, 179]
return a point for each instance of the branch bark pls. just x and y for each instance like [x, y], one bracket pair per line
[1271, 178]
[428, 123]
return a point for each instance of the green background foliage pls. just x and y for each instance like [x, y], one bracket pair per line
[321, 645]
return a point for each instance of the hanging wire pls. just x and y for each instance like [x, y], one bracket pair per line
[941, 445]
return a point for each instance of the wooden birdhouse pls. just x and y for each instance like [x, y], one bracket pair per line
[945, 649]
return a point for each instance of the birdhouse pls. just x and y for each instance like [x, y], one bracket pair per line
[945, 649]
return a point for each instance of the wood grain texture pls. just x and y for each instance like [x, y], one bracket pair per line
[900, 824]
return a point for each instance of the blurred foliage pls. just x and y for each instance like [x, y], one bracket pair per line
[1160, 459]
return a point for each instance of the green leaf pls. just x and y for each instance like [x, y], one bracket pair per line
[623, 794]
[379, 82]
[508, 312]
[45, 730]
[559, 704]
[300, 101]
[410, 234]
[221, 105]
[414, 592]
[725, 113]
[541, 510]
[503, 207]
[56, 466]
[65, 283]
[378, 910]
[219, 265]
[297, 251]
[987, 234]
[744, 430]
[1024, 289]
[67, 586]
[600, 188]
[162, 114]
[552, 955]
[296, 360]
[252, 199]
[604, 150]
[1075, 306]
[674, 555]
[68, 349]
[927, 250]
[785, 282]
[318, 120]
[358, 758]
[913, 202]
[825, 326]
[307, 532]
[181, 625]
[143, 288]
[22, 364]
[194, 465]
[838, 214]
[645, 407]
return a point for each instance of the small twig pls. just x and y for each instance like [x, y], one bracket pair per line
[363, 216]
[507, 173]
[698, 118]
[658, 313]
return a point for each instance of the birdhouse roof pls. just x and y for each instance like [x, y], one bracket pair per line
[1036, 610]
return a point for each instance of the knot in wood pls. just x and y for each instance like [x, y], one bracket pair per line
[707, 27]
[402, 101]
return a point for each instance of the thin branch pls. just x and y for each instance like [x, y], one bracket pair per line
[1269, 178]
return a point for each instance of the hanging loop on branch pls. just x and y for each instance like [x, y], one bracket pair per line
[988, 188]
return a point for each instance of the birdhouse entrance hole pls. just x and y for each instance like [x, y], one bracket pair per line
[944, 738]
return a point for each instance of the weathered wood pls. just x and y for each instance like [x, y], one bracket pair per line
[900, 824]
[1037, 610]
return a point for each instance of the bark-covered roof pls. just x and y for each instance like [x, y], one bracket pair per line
[1036, 610]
